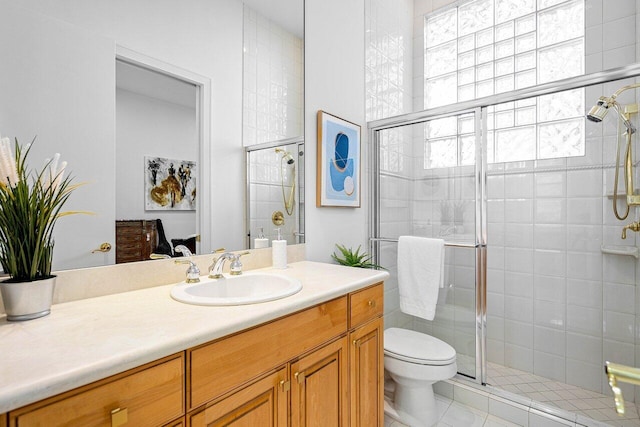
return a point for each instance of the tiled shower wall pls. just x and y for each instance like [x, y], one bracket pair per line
[272, 82]
[557, 306]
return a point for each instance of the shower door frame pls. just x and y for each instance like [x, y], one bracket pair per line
[479, 108]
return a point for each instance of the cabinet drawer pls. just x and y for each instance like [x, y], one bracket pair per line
[217, 368]
[366, 304]
[148, 396]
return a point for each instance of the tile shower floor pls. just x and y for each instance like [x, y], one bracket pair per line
[566, 397]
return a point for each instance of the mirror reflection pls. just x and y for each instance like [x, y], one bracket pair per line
[156, 121]
[273, 126]
[275, 193]
[111, 120]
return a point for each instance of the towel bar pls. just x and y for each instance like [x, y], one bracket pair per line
[452, 244]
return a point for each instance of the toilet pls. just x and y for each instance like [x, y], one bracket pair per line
[414, 361]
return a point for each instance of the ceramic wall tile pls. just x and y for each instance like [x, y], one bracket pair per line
[518, 333]
[584, 320]
[585, 348]
[550, 314]
[549, 366]
[550, 211]
[550, 288]
[518, 357]
[584, 293]
[584, 183]
[550, 263]
[552, 184]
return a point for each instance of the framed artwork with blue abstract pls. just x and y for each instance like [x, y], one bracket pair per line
[338, 170]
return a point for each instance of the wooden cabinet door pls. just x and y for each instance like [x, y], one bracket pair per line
[366, 369]
[263, 403]
[319, 387]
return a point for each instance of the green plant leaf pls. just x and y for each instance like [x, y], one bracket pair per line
[354, 259]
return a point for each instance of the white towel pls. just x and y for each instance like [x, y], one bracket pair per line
[420, 275]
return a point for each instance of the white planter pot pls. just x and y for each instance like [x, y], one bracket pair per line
[27, 300]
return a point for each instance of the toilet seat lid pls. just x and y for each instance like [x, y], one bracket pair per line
[416, 347]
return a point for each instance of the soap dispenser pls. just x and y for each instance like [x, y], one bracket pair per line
[279, 252]
[261, 241]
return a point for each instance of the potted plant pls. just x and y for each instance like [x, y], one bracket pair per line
[30, 205]
[354, 259]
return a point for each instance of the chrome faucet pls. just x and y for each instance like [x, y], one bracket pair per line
[193, 272]
[183, 250]
[215, 269]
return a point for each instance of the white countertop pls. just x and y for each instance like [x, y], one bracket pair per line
[87, 340]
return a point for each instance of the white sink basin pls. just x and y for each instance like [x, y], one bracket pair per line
[248, 288]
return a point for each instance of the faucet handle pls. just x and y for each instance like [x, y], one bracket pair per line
[236, 265]
[193, 272]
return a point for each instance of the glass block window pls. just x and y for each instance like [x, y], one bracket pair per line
[450, 141]
[486, 47]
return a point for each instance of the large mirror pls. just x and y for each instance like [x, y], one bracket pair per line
[273, 125]
[65, 86]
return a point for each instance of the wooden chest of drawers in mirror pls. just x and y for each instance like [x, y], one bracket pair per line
[135, 240]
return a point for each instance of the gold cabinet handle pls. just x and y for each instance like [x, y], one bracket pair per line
[371, 303]
[105, 247]
[299, 376]
[119, 417]
[285, 385]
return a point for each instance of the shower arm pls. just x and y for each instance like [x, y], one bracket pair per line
[616, 372]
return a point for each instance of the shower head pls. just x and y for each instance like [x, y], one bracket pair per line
[286, 156]
[598, 112]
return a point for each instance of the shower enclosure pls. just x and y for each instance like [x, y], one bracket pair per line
[539, 284]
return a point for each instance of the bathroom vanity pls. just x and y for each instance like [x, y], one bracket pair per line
[140, 358]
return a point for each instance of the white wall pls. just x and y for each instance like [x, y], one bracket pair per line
[48, 89]
[203, 37]
[334, 82]
[151, 127]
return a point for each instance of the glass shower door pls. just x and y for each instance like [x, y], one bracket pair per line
[427, 185]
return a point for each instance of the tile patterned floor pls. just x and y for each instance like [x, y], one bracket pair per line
[454, 414]
[559, 395]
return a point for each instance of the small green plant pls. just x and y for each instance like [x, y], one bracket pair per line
[30, 205]
[354, 259]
